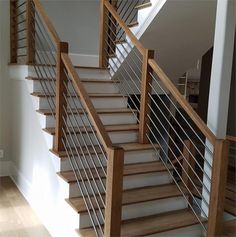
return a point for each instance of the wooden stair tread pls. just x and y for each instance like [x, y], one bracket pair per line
[137, 146]
[132, 24]
[99, 111]
[92, 150]
[109, 128]
[85, 80]
[129, 169]
[144, 5]
[53, 65]
[152, 224]
[132, 196]
[94, 95]
[128, 147]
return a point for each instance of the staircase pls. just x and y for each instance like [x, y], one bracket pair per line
[109, 127]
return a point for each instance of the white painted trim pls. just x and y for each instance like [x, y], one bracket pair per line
[21, 182]
[5, 168]
[18, 72]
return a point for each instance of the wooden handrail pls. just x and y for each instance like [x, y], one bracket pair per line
[47, 21]
[128, 32]
[79, 87]
[231, 138]
[182, 101]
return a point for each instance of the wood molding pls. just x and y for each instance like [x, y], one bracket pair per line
[79, 87]
[182, 101]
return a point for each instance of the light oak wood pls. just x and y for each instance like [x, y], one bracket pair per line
[79, 87]
[100, 95]
[182, 101]
[18, 219]
[30, 32]
[108, 128]
[129, 169]
[145, 101]
[114, 188]
[218, 188]
[48, 112]
[146, 226]
[133, 196]
[126, 29]
[61, 82]
[51, 30]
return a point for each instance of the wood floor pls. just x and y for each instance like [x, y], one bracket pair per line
[17, 219]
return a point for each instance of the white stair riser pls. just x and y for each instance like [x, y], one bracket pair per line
[130, 158]
[116, 137]
[144, 209]
[99, 103]
[83, 73]
[107, 119]
[49, 87]
[132, 181]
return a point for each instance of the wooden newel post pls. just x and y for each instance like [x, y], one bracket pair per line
[113, 211]
[102, 53]
[60, 99]
[218, 187]
[13, 31]
[145, 99]
[188, 163]
[30, 32]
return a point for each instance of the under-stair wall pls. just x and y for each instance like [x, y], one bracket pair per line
[5, 98]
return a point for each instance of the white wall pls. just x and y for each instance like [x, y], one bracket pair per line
[76, 22]
[5, 108]
[180, 34]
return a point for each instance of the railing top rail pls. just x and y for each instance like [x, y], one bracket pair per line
[102, 133]
[231, 138]
[182, 101]
[129, 33]
[47, 21]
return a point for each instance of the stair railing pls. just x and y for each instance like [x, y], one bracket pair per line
[79, 132]
[155, 101]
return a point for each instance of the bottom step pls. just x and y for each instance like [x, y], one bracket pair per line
[152, 224]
